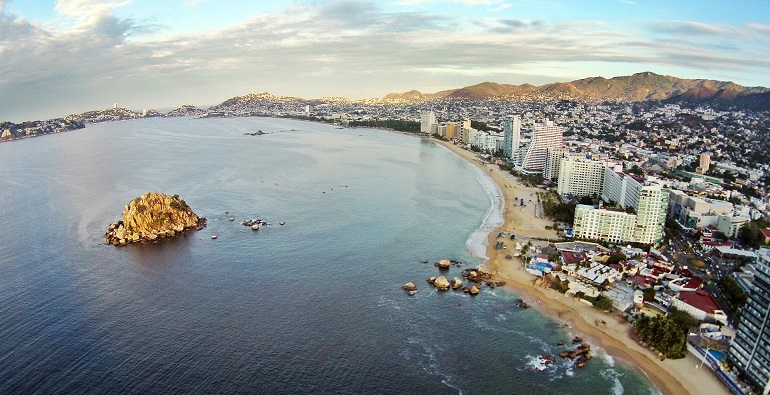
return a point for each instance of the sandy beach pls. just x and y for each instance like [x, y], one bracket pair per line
[669, 376]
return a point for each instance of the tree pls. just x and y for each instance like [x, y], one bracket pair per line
[616, 258]
[649, 294]
[603, 303]
[586, 200]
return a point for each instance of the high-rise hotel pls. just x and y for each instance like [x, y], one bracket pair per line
[546, 136]
[511, 136]
[750, 350]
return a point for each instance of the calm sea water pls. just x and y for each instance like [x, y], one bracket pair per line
[314, 306]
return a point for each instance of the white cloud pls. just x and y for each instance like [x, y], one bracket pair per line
[500, 7]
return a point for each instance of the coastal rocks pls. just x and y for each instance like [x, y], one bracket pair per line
[409, 287]
[444, 264]
[153, 216]
[581, 355]
[441, 283]
[474, 290]
[456, 283]
[432, 280]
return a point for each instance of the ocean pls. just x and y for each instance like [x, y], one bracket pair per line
[313, 306]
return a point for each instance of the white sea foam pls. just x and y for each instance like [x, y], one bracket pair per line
[478, 241]
[614, 377]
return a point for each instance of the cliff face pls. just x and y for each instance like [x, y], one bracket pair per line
[153, 216]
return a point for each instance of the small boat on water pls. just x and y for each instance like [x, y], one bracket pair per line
[213, 237]
[282, 223]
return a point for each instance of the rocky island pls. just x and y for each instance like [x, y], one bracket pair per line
[153, 216]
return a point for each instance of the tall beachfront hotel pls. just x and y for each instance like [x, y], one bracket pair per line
[546, 136]
[750, 350]
[511, 136]
[428, 123]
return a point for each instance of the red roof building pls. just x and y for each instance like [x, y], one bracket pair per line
[700, 305]
[765, 235]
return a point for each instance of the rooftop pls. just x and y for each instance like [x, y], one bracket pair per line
[701, 300]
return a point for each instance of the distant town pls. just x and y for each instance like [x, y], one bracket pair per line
[664, 206]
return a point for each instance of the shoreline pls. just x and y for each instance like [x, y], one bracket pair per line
[668, 376]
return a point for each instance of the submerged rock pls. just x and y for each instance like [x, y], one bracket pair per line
[153, 216]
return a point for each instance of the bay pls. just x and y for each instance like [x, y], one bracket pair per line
[314, 306]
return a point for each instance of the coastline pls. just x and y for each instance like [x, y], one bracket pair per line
[669, 376]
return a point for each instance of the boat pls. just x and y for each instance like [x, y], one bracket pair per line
[282, 223]
[213, 237]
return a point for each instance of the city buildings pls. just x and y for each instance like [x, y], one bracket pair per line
[705, 163]
[621, 188]
[692, 212]
[512, 136]
[428, 123]
[580, 176]
[544, 137]
[650, 214]
[750, 350]
[614, 226]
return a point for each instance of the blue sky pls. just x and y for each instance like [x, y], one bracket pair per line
[68, 56]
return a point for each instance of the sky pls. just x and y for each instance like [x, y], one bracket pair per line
[61, 57]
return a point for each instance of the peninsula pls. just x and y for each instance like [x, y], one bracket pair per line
[153, 216]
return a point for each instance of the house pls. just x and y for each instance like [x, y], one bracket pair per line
[684, 284]
[700, 305]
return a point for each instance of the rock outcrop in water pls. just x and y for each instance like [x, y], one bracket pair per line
[153, 216]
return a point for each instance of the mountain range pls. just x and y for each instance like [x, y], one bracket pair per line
[634, 88]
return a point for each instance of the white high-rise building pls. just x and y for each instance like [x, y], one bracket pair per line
[750, 350]
[650, 214]
[512, 136]
[621, 188]
[613, 226]
[428, 123]
[545, 136]
[580, 176]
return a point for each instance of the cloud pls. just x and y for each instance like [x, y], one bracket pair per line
[500, 7]
[346, 48]
[689, 28]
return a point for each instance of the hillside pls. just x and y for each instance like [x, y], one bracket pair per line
[634, 88]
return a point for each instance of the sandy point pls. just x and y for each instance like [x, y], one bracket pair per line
[682, 376]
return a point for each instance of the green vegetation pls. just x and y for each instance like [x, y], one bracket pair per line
[733, 293]
[530, 180]
[750, 236]
[616, 258]
[667, 334]
[560, 286]
[603, 303]
[482, 126]
[649, 294]
[401, 126]
[554, 208]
